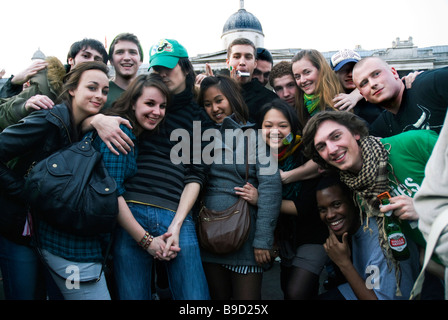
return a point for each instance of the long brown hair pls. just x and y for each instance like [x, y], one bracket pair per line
[328, 85]
[123, 106]
[71, 82]
[71, 79]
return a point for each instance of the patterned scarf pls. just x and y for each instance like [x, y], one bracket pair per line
[372, 180]
[285, 153]
[288, 161]
[311, 103]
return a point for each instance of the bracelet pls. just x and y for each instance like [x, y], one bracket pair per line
[146, 240]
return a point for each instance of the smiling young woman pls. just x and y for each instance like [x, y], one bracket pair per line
[299, 232]
[40, 134]
[318, 84]
[237, 275]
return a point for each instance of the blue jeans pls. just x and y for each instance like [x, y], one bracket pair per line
[24, 275]
[133, 265]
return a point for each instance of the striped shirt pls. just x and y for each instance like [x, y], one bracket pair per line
[159, 181]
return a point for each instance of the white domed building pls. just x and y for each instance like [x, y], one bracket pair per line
[38, 55]
[403, 55]
[242, 24]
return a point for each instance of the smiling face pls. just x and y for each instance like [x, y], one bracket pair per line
[90, 95]
[338, 147]
[337, 211]
[150, 108]
[275, 128]
[126, 59]
[216, 104]
[306, 75]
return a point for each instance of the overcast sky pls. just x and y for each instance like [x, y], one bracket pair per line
[324, 25]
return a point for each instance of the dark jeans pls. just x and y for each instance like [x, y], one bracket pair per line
[24, 275]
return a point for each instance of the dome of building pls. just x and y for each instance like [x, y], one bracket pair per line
[38, 55]
[242, 24]
[242, 20]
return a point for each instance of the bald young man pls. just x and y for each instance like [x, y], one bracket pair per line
[421, 107]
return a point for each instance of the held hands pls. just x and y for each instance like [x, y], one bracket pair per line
[159, 246]
[403, 207]
[155, 247]
[171, 242]
[248, 193]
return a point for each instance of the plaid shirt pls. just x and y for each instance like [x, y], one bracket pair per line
[120, 167]
[89, 249]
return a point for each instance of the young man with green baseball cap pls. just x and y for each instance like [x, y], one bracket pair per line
[166, 53]
[169, 58]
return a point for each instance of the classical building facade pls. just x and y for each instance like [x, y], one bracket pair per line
[403, 55]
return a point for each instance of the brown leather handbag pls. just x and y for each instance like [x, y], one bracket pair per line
[225, 231]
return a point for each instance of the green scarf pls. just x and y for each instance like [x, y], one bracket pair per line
[311, 103]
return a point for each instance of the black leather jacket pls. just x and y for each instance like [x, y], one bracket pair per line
[34, 138]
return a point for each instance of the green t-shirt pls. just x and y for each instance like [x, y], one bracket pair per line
[114, 93]
[408, 154]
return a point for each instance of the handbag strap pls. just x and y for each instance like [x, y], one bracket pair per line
[247, 160]
[201, 197]
[438, 226]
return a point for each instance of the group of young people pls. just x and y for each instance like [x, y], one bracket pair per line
[317, 208]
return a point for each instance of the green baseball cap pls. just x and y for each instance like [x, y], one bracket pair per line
[166, 53]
